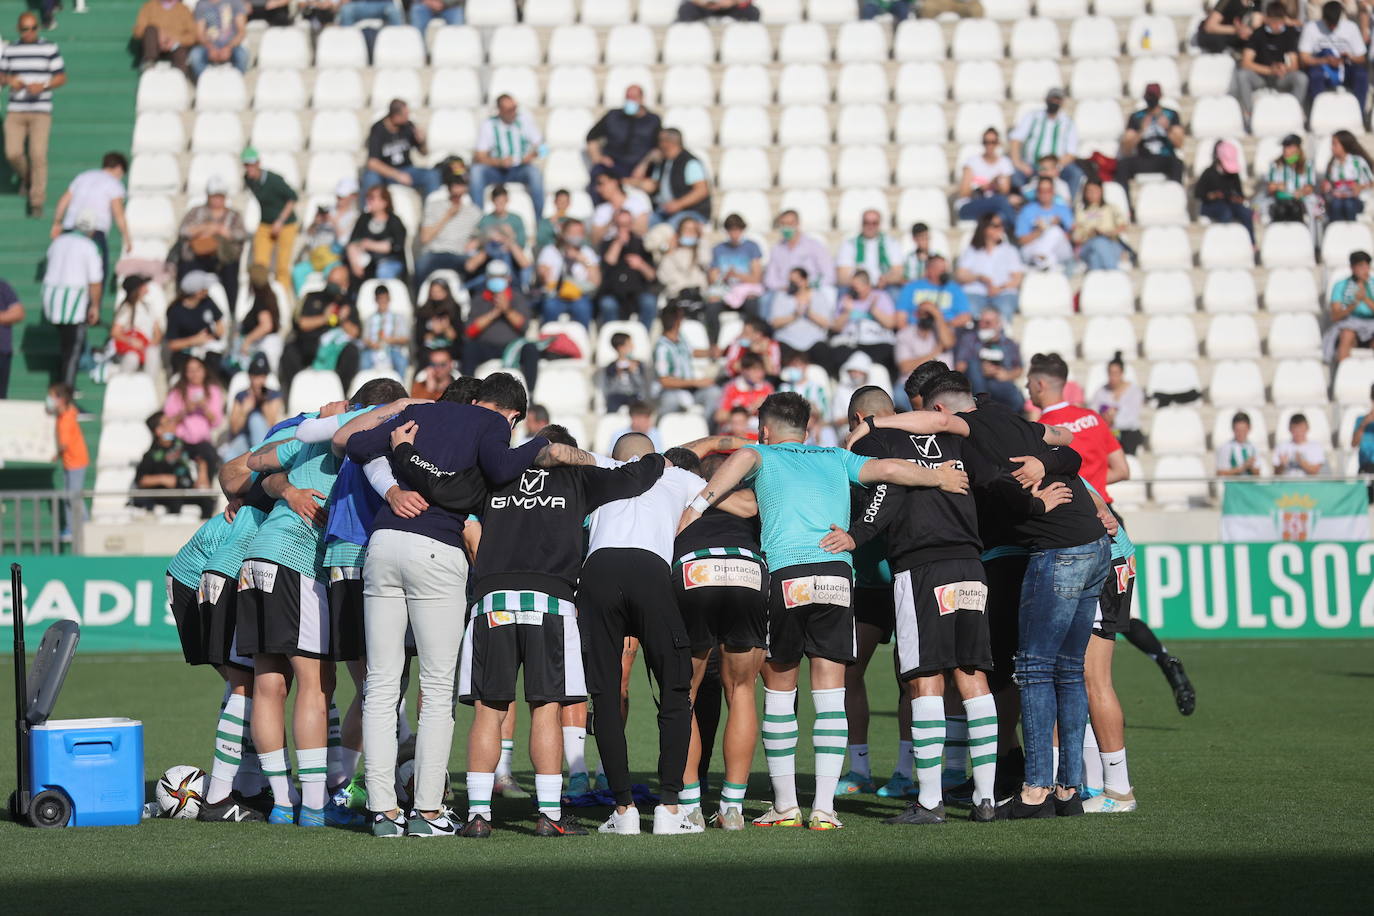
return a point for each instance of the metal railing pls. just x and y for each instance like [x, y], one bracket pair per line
[31, 520]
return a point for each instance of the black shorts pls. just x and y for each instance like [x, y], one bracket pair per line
[942, 620]
[192, 626]
[219, 607]
[281, 612]
[347, 636]
[811, 613]
[1004, 578]
[1114, 604]
[499, 645]
[875, 607]
[723, 602]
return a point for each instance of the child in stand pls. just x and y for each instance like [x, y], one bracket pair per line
[623, 381]
[386, 337]
[71, 448]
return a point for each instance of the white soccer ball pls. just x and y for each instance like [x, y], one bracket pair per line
[180, 792]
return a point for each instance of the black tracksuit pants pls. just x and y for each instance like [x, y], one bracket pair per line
[629, 592]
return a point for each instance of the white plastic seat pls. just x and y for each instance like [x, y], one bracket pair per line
[1099, 119]
[162, 90]
[862, 83]
[1165, 247]
[1235, 383]
[744, 169]
[1191, 488]
[1093, 36]
[340, 47]
[1216, 117]
[283, 47]
[830, 12]
[1106, 292]
[979, 81]
[1230, 291]
[858, 125]
[520, 83]
[1119, 8]
[682, 427]
[1291, 289]
[280, 131]
[805, 167]
[1167, 292]
[804, 84]
[284, 164]
[1095, 78]
[1233, 337]
[921, 81]
[337, 89]
[399, 46]
[155, 173]
[695, 122]
[1033, 39]
[1177, 428]
[618, 79]
[1333, 111]
[973, 120]
[605, 13]
[451, 132]
[567, 128]
[745, 43]
[1006, 10]
[1354, 378]
[688, 43]
[221, 88]
[1161, 203]
[752, 206]
[1303, 381]
[280, 90]
[549, 12]
[1046, 293]
[746, 125]
[1226, 245]
[575, 45]
[122, 443]
[515, 46]
[977, 39]
[223, 165]
[919, 39]
[803, 43]
[491, 13]
[396, 84]
[158, 132]
[313, 387]
[861, 41]
[921, 122]
[1173, 376]
[1210, 74]
[1286, 245]
[1033, 78]
[1048, 335]
[1106, 335]
[811, 204]
[1161, 70]
[455, 88]
[325, 169]
[1152, 36]
[571, 87]
[217, 132]
[150, 216]
[922, 166]
[683, 86]
[924, 205]
[1170, 337]
[1340, 239]
[129, 396]
[455, 46]
[631, 45]
[1276, 114]
[1062, 9]
[336, 129]
[1294, 335]
[565, 168]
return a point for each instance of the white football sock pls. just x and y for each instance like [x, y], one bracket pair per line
[858, 760]
[507, 755]
[904, 758]
[1092, 760]
[575, 749]
[274, 768]
[829, 735]
[1115, 776]
[548, 789]
[479, 794]
[981, 713]
[312, 766]
[780, 745]
[928, 737]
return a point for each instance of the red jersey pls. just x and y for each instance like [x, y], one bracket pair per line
[739, 393]
[1091, 439]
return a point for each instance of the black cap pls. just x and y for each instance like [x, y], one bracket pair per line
[259, 365]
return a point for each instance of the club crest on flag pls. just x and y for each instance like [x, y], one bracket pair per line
[1297, 513]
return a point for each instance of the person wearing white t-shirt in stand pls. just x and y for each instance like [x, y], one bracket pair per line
[1334, 53]
[615, 197]
[569, 272]
[101, 193]
[872, 251]
[985, 181]
[71, 292]
[1299, 457]
[991, 269]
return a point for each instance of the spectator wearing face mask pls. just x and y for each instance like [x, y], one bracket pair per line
[1047, 132]
[624, 381]
[569, 272]
[1151, 144]
[991, 360]
[872, 251]
[802, 316]
[755, 337]
[683, 277]
[621, 139]
[497, 321]
[627, 275]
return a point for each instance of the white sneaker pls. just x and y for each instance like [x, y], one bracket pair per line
[668, 823]
[626, 824]
[1110, 802]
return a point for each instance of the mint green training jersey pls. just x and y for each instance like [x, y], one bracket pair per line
[190, 560]
[233, 550]
[802, 490]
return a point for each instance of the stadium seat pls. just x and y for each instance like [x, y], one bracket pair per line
[863, 167]
[1106, 335]
[804, 84]
[1333, 111]
[861, 84]
[744, 169]
[1229, 291]
[859, 42]
[279, 90]
[396, 84]
[1182, 495]
[455, 46]
[1048, 335]
[155, 173]
[1095, 78]
[577, 333]
[919, 40]
[571, 87]
[698, 129]
[745, 84]
[338, 89]
[1233, 337]
[1106, 292]
[1340, 239]
[1235, 383]
[973, 120]
[340, 48]
[451, 132]
[922, 122]
[1354, 377]
[158, 132]
[1318, 424]
[1151, 36]
[280, 131]
[924, 205]
[123, 442]
[1294, 336]
[1215, 117]
[1164, 248]
[1226, 245]
[805, 167]
[921, 82]
[493, 13]
[399, 46]
[1161, 203]
[746, 125]
[618, 79]
[803, 43]
[1170, 337]
[521, 83]
[1286, 245]
[514, 46]
[1033, 78]
[1177, 429]
[684, 86]
[1062, 9]
[1276, 114]
[312, 387]
[325, 169]
[752, 206]
[854, 201]
[548, 13]
[1210, 75]
[287, 48]
[221, 88]
[745, 43]
[688, 43]
[562, 387]
[921, 166]
[150, 216]
[130, 396]
[1303, 381]
[567, 128]
[631, 45]
[977, 39]
[1093, 36]
[454, 88]
[218, 132]
[811, 204]
[1046, 293]
[580, 46]
[1174, 377]
[1034, 39]
[858, 125]
[677, 428]
[1161, 70]
[1164, 292]
[605, 13]
[1006, 10]
[979, 81]
[1291, 289]
[162, 89]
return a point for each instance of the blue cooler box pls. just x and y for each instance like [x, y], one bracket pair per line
[97, 762]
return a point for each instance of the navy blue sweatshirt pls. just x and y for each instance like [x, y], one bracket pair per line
[453, 437]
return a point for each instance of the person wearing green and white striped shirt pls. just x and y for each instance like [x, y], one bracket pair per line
[71, 292]
[508, 145]
[681, 386]
[1048, 132]
[1348, 175]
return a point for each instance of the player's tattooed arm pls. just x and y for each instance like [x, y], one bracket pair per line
[728, 476]
[1058, 435]
[264, 459]
[741, 503]
[556, 454]
[235, 477]
[708, 444]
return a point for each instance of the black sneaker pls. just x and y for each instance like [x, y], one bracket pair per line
[1184, 694]
[1017, 810]
[1011, 773]
[565, 826]
[477, 828]
[984, 812]
[234, 809]
[1068, 807]
[961, 794]
[261, 803]
[915, 814]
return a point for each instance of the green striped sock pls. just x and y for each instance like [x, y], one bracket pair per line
[230, 732]
[829, 736]
[312, 765]
[278, 776]
[548, 789]
[479, 794]
[780, 745]
[928, 738]
[982, 742]
[690, 795]
[732, 795]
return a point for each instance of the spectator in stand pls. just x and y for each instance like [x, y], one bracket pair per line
[255, 410]
[135, 331]
[498, 319]
[221, 26]
[627, 275]
[748, 389]
[353, 12]
[755, 337]
[1042, 230]
[72, 452]
[938, 288]
[1269, 61]
[964, 9]
[433, 380]
[195, 324]
[11, 313]
[508, 146]
[389, 147]
[101, 193]
[615, 196]
[928, 336]
[1219, 189]
[872, 251]
[866, 321]
[1363, 440]
[898, 9]
[276, 13]
[1151, 144]
[318, 13]
[802, 316]
[621, 139]
[1229, 25]
[642, 422]
[71, 293]
[918, 252]
[549, 227]
[422, 12]
[985, 182]
[277, 225]
[535, 420]
[447, 228]
[212, 236]
[569, 273]
[735, 275]
[196, 403]
[675, 181]
[1292, 184]
[344, 216]
[437, 322]
[1299, 457]
[1047, 132]
[500, 237]
[681, 386]
[796, 376]
[260, 331]
[323, 315]
[797, 250]
[165, 30]
[386, 337]
[1347, 176]
[32, 69]
[1239, 457]
[991, 269]
[855, 373]
[623, 382]
[1097, 228]
[682, 275]
[991, 360]
[1120, 402]
[697, 10]
[378, 245]
[169, 465]
[1334, 53]
[1352, 311]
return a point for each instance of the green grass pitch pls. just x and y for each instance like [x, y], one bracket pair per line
[1258, 803]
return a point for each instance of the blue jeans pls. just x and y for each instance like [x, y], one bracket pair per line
[1058, 603]
[390, 268]
[389, 357]
[356, 11]
[1073, 176]
[899, 11]
[645, 303]
[1101, 253]
[1343, 208]
[1225, 211]
[1007, 303]
[424, 181]
[997, 203]
[658, 217]
[579, 310]
[527, 175]
[431, 261]
[1006, 393]
[1356, 80]
[421, 15]
[199, 59]
[251, 436]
